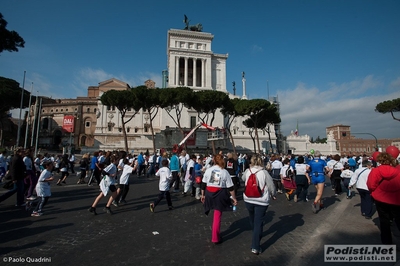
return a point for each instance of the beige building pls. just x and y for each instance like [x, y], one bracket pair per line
[53, 134]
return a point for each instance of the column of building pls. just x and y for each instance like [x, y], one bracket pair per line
[186, 68]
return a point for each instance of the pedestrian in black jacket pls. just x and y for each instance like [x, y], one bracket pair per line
[17, 172]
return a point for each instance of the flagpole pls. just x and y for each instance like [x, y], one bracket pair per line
[20, 109]
[27, 119]
[34, 118]
[38, 127]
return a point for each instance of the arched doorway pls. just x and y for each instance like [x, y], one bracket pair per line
[83, 141]
[57, 138]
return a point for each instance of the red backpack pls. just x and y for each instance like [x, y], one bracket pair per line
[252, 190]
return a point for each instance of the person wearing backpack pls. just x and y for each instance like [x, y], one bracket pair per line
[275, 172]
[259, 188]
[287, 177]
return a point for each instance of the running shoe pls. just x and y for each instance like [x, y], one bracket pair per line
[314, 208]
[108, 210]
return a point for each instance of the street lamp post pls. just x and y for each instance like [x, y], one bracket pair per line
[70, 141]
[20, 109]
[376, 140]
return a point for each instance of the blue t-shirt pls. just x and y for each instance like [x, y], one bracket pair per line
[317, 166]
[93, 163]
[351, 162]
[197, 169]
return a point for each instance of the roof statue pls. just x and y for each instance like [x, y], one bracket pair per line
[197, 27]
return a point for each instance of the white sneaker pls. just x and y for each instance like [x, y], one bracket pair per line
[31, 198]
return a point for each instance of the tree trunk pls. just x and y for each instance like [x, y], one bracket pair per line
[233, 142]
[258, 140]
[269, 138]
[124, 133]
[152, 136]
[213, 147]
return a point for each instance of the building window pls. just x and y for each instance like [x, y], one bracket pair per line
[45, 122]
[146, 128]
[109, 127]
[128, 129]
[66, 110]
[62, 110]
[95, 110]
[120, 129]
[88, 110]
[192, 121]
[76, 109]
[51, 110]
[136, 129]
[57, 110]
[87, 124]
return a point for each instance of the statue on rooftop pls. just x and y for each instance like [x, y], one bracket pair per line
[197, 27]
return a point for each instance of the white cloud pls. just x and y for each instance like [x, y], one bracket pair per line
[256, 49]
[357, 87]
[92, 77]
[395, 83]
[316, 109]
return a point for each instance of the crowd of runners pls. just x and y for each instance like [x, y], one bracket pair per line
[213, 180]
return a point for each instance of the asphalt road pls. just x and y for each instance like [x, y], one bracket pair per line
[67, 234]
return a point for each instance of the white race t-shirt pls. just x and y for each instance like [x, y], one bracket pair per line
[165, 175]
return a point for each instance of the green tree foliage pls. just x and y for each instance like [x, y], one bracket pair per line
[150, 103]
[10, 95]
[231, 110]
[124, 101]
[390, 106]
[9, 40]
[257, 110]
[206, 103]
[272, 117]
[173, 100]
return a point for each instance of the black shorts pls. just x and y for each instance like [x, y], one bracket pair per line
[113, 188]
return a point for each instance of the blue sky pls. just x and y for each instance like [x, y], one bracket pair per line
[329, 62]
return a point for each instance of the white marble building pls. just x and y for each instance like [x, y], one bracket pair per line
[301, 145]
[191, 63]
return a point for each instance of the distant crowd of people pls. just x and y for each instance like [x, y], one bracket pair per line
[214, 180]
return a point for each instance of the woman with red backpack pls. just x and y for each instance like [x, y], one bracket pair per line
[257, 205]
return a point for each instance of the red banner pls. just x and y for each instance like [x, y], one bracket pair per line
[68, 123]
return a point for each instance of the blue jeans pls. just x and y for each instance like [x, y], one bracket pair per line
[19, 189]
[256, 215]
[152, 170]
[366, 202]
